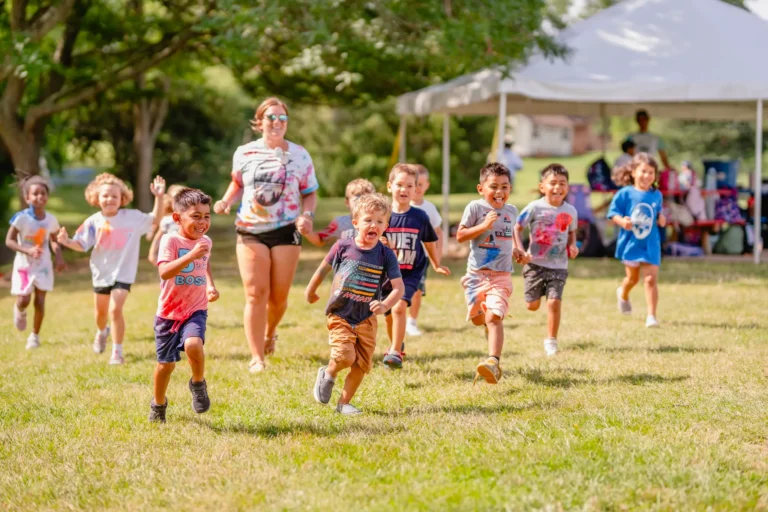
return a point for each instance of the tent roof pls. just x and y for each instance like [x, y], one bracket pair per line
[688, 59]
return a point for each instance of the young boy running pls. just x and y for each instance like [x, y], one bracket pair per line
[186, 289]
[487, 223]
[362, 265]
[341, 227]
[552, 223]
[408, 229]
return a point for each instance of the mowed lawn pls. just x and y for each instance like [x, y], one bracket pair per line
[623, 417]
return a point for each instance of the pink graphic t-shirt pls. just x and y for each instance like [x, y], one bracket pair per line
[185, 292]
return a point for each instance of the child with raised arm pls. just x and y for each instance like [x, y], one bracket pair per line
[422, 185]
[115, 234]
[33, 235]
[167, 225]
[362, 264]
[341, 227]
[487, 223]
[410, 235]
[636, 209]
[182, 311]
[552, 223]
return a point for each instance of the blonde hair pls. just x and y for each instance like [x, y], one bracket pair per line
[622, 176]
[258, 117]
[92, 190]
[409, 169]
[423, 171]
[359, 187]
[374, 202]
[168, 198]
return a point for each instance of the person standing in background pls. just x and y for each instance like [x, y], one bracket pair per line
[647, 142]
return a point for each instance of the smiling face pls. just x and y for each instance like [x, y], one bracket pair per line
[495, 190]
[37, 196]
[195, 221]
[402, 188]
[110, 199]
[370, 226]
[272, 126]
[554, 187]
[643, 176]
[422, 185]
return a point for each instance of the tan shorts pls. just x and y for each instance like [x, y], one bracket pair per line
[354, 345]
[487, 290]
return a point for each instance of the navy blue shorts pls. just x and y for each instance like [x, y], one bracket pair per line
[170, 335]
[423, 284]
[411, 284]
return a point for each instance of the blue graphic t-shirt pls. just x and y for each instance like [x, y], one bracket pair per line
[405, 234]
[359, 275]
[642, 243]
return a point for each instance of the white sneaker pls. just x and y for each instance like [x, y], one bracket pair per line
[651, 322]
[100, 341]
[348, 410]
[19, 318]
[33, 341]
[116, 359]
[412, 329]
[625, 307]
[550, 346]
[257, 367]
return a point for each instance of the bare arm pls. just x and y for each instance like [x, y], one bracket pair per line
[158, 190]
[622, 222]
[154, 248]
[213, 293]
[169, 269]
[440, 241]
[56, 248]
[464, 233]
[314, 283]
[314, 239]
[304, 223]
[434, 258]
[233, 194]
[63, 238]
[11, 241]
[519, 237]
[398, 290]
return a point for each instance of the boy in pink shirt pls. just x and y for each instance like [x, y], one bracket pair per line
[182, 310]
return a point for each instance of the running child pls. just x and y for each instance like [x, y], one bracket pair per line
[636, 209]
[362, 264]
[167, 224]
[422, 185]
[552, 223]
[487, 223]
[341, 227]
[33, 235]
[410, 235]
[187, 287]
[114, 234]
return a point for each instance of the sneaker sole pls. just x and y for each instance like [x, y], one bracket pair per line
[316, 390]
[487, 374]
[393, 366]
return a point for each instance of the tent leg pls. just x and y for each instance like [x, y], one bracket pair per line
[758, 181]
[502, 126]
[401, 156]
[446, 179]
[606, 129]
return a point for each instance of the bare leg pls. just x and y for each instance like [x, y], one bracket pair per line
[495, 334]
[397, 327]
[553, 317]
[285, 259]
[533, 306]
[196, 357]
[101, 310]
[39, 310]
[629, 282]
[163, 373]
[351, 383]
[116, 304]
[415, 305]
[254, 261]
[650, 280]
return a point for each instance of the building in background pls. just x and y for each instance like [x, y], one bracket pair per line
[551, 135]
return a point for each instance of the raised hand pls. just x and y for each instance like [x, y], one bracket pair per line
[62, 237]
[157, 187]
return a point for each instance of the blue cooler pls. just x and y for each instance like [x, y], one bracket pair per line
[726, 172]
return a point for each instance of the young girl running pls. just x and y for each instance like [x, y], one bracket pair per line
[115, 236]
[33, 235]
[167, 225]
[636, 209]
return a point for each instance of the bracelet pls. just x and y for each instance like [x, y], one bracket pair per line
[309, 214]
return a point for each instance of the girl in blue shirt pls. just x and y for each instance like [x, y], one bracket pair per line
[636, 209]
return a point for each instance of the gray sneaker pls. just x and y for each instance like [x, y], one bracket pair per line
[348, 409]
[157, 412]
[323, 387]
[200, 400]
[100, 341]
[625, 307]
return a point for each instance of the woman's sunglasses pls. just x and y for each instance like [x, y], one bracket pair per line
[274, 117]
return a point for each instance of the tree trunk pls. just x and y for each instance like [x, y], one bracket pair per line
[149, 116]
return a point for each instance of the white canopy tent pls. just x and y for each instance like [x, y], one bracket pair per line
[680, 59]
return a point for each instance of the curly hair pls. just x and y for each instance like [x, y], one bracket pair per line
[371, 203]
[92, 190]
[27, 182]
[622, 176]
[258, 117]
[359, 187]
[494, 169]
[409, 169]
[168, 198]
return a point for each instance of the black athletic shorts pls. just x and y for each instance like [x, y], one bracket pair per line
[287, 235]
[106, 290]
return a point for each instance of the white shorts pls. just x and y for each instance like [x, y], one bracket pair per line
[25, 280]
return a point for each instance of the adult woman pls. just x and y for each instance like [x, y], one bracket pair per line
[276, 180]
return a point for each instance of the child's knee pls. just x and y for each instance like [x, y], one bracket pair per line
[400, 308]
[343, 357]
[533, 306]
[650, 280]
[115, 310]
[23, 300]
[166, 367]
[633, 279]
[492, 318]
[478, 320]
[193, 345]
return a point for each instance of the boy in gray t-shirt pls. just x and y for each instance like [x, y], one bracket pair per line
[552, 223]
[488, 225]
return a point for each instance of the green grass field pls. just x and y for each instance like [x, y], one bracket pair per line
[623, 418]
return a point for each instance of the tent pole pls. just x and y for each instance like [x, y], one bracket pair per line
[502, 125]
[606, 129]
[401, 156]
[758, 188]
[446, 178]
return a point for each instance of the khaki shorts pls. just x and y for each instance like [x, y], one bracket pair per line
[487, 290]
[353, 344]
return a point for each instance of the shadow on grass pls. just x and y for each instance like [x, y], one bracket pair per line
[718, 325]
[461, 354]
[299, 428]
[663, 349]
[465, 409]
[557, 380]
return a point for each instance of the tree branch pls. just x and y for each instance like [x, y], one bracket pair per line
[63, 54]
[160, 110]
[18, 15]
[51, 16]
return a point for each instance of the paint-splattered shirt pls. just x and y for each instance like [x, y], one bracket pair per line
[340, 227]
[273, 183]
[549, 226]
[359, 275]
[29, 273]
[184, 293]
[492, 250]
[115, 242]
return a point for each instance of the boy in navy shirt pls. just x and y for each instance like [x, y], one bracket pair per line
[409, 234]
[362, 264]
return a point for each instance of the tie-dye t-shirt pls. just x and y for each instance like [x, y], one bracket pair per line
[29, 273]
[186, 292]
[359, 275]
[549, 226]
[492, 250]
[168, 225]
[273, 183]
[115, 242]
[341, 227]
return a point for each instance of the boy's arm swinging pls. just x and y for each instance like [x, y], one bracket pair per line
[317, 278]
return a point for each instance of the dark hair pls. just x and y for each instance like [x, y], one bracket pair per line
[494, 169]
[188, 198]
[641, 113]
[26, 183]
[554, 169]
[627, 145]
[622, 176]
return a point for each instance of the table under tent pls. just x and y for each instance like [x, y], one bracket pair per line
[677, 59]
